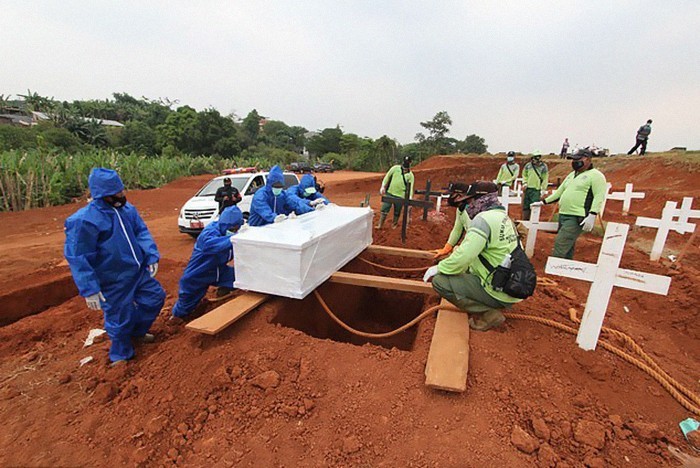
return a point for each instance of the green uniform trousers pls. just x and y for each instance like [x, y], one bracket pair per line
[466, 292]
[531, 196]
[569, 230]
[386, 207]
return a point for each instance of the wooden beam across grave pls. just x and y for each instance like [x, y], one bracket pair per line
[216, 320]
[381, 282]
[385, 250]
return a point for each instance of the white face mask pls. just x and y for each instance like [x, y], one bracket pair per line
[510, 159]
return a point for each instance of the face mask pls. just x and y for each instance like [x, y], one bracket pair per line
[453, 201]
[510, 159]
[577, 165]
[276, 191]
[309, 191]
[116, 202]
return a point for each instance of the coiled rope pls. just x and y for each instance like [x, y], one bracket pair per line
[680, 393]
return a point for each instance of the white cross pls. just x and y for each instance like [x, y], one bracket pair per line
[605, 199]
[604, 276]
[626, 197]
[506, 200]
[518, 186]
[663, 226]
[685, 212]
[533, 226]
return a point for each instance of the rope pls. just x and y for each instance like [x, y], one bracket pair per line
[677, 390]
[384, 267]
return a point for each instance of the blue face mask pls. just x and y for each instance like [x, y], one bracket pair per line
[276, 191]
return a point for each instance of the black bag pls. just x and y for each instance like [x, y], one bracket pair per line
[519, 280]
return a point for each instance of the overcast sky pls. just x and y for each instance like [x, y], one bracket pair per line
[521, 74]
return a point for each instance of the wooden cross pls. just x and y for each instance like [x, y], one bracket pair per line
[604, 276]
[366, 202]
[506, 200]
[427, 194]
[533, 226]
[406, 202]
[608, 186]
[626, 197]
[663, 226]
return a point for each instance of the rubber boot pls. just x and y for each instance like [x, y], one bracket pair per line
[223, 291]
[395, 223]
[382, 218]
[486, 321]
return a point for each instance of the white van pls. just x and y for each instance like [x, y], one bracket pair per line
[201, 209]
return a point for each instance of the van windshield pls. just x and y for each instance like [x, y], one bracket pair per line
[210, 189]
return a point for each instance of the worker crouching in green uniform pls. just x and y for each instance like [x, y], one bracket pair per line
[462, 278]
[535, 181]
[580, 197]
[457, 199]
[394, 184]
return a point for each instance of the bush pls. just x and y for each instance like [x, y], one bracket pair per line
[16, 138]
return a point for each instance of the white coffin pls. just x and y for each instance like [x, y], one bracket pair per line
[294, 257]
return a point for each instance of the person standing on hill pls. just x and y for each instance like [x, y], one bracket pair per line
[396, 181]
[114, 261]
[564, 148]
[642, 138]
[535, 181]
[580, 197]
[509, 171]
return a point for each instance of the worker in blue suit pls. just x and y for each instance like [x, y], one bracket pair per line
[271, 204]
[208, 264]
[114, 260]
[305, 193]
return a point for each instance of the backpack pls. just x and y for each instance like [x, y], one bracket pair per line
[518, 280]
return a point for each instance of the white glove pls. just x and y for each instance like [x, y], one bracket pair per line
[292, 215]
[243, 228]
[382, 190]
[320, 206]
[153, 269]
[93, 302]
[432, 271]
[537, 203]
[588, 222]
[280, 217]
[543, 192]
[316, 202]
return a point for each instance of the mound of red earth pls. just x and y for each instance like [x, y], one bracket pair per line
[285, 386]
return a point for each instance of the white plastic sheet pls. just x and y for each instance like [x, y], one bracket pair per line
[294, 257]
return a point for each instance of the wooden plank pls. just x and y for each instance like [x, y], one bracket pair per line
[381, 282]
[385, 250]
[448, 358]
[216, 320]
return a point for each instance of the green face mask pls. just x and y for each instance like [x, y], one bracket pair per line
[276, 191]
[309, 191]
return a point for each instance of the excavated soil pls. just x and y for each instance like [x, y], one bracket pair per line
[285, 386]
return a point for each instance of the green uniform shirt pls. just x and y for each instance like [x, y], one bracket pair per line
[580, 193]
[531, 179]
[397, 187]
[461, 225]
[492, 234]
[506, 176]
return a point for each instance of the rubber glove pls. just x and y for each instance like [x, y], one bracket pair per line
[382, 191]
[280, 217]
[318, 201]
[537, 203]
[588, 222]
[443, 251]
[432, 271]
[292, 215]
[153, 269]
[320, 206]
[93, 302]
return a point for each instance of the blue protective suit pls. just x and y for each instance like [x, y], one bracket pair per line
[207, 266]
[108, 250]
[297, 193]
[266, 206]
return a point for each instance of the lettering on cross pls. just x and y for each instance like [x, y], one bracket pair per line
[626, 197]
[664, 226]
[533, 226]
[605, 275]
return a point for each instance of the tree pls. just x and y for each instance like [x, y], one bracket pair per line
[386, 151]
[472, 144]
[327, 141]
[138, 137]
[251, 126]
[436, 142]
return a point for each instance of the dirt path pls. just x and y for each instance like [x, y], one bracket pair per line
[285, 387]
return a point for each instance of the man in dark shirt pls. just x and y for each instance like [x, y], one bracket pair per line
[227, 195]
[642, 138]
